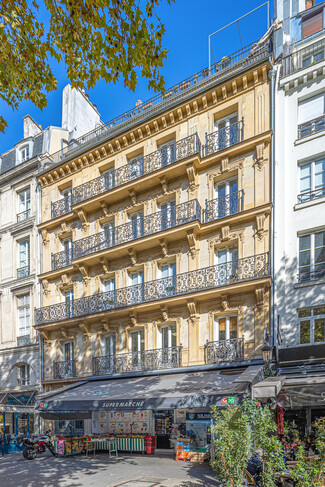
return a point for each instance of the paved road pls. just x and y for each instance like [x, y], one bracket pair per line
[101, 471]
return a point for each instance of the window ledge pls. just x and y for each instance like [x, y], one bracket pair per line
[311, 202]
[299, 285]
[309, 137]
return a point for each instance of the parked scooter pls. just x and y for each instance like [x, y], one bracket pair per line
[37, 445]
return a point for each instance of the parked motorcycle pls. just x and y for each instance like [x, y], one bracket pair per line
[37, 445]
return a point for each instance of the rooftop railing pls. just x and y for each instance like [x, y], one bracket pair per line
[200, 81]
[138, 168]
[161, 358]
[311, 127]
[230, 350]
[303, 58]
[142, 227]
[186, 283]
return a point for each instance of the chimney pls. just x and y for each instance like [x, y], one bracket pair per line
[30, 127]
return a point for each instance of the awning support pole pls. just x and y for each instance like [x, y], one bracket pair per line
[16, 417]
[3, 433]
[27, 425]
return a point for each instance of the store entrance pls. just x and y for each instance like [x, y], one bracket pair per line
[164, 419]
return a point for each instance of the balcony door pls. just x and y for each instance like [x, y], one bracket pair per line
[226, 132]
[136, 220]
[67, 251]
[166, 153]
[136, 347]
[135, 167]
[167, 285]
[109, 351]
[67, 200]
[226, 196]
[23, 205]
[24, 258]
[226, 261]
[68, 299]
[109, 179]
[109, 231]
[109, 290]
[67, 366]
[168, 214]
[167, 344]
[226, 346]
[137, 283]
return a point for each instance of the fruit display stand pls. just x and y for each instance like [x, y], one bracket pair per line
[184, 448]
[62, 446]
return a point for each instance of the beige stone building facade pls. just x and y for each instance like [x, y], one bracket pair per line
[156, 230]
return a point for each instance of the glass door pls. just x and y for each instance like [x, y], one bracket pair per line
[67, 251]
[136, 347]
[226, 194]
[109, 179]
[109, 351]
[168, 274]
[109, 230]
[109, 290]
[168, 214]
[136, 220]
[68, 297]
[137, 281]
[226, 265]
[167, 153]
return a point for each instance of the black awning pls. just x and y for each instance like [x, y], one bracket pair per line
[303, 391]
[186, 390]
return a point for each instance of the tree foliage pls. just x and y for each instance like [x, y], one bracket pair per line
[238, 432]
[96, 39]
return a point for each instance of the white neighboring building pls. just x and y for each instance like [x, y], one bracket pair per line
[300, 185]
[20, 257]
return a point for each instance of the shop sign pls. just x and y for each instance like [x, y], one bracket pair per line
[198, 417]
[123, 404]
[228, 400]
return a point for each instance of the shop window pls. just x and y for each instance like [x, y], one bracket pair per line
[312, 24]
[311, 325]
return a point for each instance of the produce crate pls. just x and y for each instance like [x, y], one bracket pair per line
[199, 457]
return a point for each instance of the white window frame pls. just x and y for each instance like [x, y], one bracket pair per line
[26, 205]
[226, 128]
[71, 347]
[24, 152]
[138, 332]
[170, 335]
[20, 253]
[23, 379]
[311, 249]
[312, 319]
[24, 306]
[312, 164]
[111, 337]
[216, 326]
[169, 146]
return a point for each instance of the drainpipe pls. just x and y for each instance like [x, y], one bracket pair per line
[38, 217]
[272, 76]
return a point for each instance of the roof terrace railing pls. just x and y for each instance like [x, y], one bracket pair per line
[200, 81]
[303, 58]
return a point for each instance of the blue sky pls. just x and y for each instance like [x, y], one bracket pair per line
[188, 24]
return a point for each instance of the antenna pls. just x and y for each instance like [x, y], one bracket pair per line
[237, 22]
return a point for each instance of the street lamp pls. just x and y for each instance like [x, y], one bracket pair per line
[267, 353]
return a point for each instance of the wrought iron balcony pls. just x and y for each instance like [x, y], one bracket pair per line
[23, 272]
[224, 206]
[161, 358]
[186, 283]
[23, 215]
[145, 226]
[303, 58]
[197, 83]
[311, 127]
[311, 195]
[26, 340]
[61, 259]
[230, 350]
[61, 207]
[224, 137]
[142, 166]
[64, 370]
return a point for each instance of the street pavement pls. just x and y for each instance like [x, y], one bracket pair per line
[102, 471]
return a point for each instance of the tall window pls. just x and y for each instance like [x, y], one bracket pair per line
[23, 375]
[226, 260]
[312, 180]
[136, 220]
[109, 178]
[24, 256]
[23, 205]
[225, 328]
[136, 341]
[312, 256]
[67, 200]
[23, 307]
[168, 336]
[109, 345]
[68, 298]
[67, 252]
[68, 352]
[136, 280]
[226, 132]
[312, 325]
[166, 153]
[109, 288]
[109, 229]
[168, 275]
[226, 194]
[135, 167]
[24, 153]
[168, 213]
[311, 115]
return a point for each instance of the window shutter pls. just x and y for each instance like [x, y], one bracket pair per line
[313, 24]
[311, 108]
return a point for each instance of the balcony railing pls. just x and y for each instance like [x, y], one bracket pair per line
[230, 350]
[26, 340]
[189, 282]
[64, 370]
[313, 275]
[161, 358]
[311, 127]
[198, 82]
[311, 195]
[61, 259]
[303, 58]
[143, 227]
[224, 137]
[142, 166]
[23, 215]
[23, 271]
[224, 206]
[61, 207]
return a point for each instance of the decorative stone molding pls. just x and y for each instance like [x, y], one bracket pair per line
[260, 159]
[46, 287]
[133, 256]
[133, 196]
[65, 283]
[192, 242]
[164, 246]
[85, 328]
[225, 233]
[260, 226]
[191, 174]
[193, 312]
[105, 209]
[105, 265]
[224, 306]
[45, 238]
[164, 312]
[260, 298]
[164, 184]
[224, 302]
[45, 335]
[133, 318]
[65, 335]
[83, 217]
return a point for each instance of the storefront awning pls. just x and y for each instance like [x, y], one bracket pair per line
[268, 388]
[184, 390]
[303, 391]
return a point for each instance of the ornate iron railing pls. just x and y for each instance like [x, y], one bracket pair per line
[197, 83]
[26, 340]
[311, 195]
[23, 215]
[135, 169]
[145, 226]
[61, 259]
[224, 206]
[189, 282]
[64, 370]
[311, 127]
[23, 271]
[303, 58]
[61, 207]
[230, 350]
[313, 275]
[161, 358]
[224, 137]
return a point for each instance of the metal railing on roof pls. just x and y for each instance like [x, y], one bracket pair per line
[303, 58]
[198, 82]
